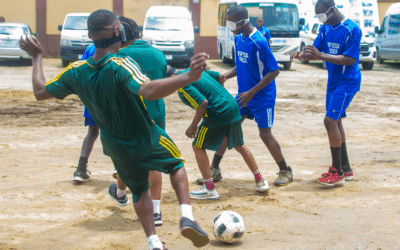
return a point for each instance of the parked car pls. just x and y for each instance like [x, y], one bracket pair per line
[10, 34]
[170, 29]
[388, 39]
[74, 37]
[367, 48]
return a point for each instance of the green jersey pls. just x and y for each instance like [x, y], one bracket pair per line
[109, 89]
[222, 108]
[153, 63]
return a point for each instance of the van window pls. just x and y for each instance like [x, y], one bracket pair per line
[315, 28]
[277, 17]
[168, 23]
[222, 14]
[394, 24]
[383, 27]
[76, 23]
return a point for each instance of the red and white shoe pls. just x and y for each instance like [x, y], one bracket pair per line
[331, 179]
[349, 175]
[331, 170]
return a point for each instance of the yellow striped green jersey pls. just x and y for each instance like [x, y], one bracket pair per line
[109, 89]
[222, 108]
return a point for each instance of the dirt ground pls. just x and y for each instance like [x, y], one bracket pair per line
[40, 145]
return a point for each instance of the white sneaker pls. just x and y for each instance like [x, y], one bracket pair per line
[204, 194]
[115, 174]
[262, 185]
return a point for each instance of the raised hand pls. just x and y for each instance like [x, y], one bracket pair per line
[198, 65]
[31, 45]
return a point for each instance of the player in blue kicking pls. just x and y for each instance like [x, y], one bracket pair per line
[338, 44]
[256, 70]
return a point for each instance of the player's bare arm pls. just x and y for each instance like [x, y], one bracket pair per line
[192, 129]
[230, 74]
[157, 89]
[33, 47]
[222, 79]
[245, 97]
[315, 54]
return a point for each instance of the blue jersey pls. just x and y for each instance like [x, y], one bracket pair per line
[265, 32]
[254, 60]
[88, 52]
[343, 39]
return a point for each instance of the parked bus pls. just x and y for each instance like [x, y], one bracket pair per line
[280, 17]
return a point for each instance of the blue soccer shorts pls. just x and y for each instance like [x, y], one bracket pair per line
[264, 117]
[337, 102]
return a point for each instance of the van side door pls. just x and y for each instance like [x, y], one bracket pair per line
[393, 36]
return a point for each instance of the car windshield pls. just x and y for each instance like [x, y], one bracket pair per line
[168, 23]
[76, 23]
[279, 17]
[12, 30]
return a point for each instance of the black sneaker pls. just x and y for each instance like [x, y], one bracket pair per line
[164, 248]
[192, 231]
[81, 176]
[157, 219]
[112, 191]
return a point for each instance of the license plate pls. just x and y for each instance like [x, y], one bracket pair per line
[168, 57]
[79, 57]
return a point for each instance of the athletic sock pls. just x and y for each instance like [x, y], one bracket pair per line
[186, 211]
[216, 160]
[282, 165]
[336, 159]
[209, 184]
[345, 158]
[82, 164]
[257, 176]
[154, 242]
[156, 206]
[120, 192]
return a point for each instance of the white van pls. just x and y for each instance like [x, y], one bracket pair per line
[170, 29]
[74, 37]
[388, 40]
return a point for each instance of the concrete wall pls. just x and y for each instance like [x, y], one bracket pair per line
[19, 11]
[136, 9]
[57, 10]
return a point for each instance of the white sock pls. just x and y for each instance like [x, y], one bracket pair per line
[154, 242]
[120, 192]
[156, 206]
[186, 211]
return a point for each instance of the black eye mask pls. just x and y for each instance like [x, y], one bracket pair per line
[106, 42]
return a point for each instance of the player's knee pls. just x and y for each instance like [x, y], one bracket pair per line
[265, 133]
[329, 123]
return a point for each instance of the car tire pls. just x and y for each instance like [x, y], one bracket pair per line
[367, 65]
[64, 63]
[287, 65]
[302, 46]
[378, 57]
[323, 65]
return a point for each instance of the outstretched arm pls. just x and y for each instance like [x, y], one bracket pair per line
[157, 89]
[33, 47]
[313, 53]
[192, 129]
[230, 74]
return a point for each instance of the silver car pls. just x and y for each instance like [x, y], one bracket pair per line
[10, 34]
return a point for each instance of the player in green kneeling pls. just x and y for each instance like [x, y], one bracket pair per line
[220, 116]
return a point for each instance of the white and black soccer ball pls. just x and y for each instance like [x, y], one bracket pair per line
[228, 227]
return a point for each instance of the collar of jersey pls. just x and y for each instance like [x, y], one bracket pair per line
[101, 62]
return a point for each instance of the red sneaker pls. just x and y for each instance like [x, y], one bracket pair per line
[348, 176]
[331, 179]
[331, 170]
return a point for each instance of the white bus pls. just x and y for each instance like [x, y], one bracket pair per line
[281, 17]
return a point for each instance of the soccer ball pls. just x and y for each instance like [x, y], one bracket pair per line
[228, 227]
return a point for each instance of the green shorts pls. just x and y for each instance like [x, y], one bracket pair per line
[211, 138]
[165, 158]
